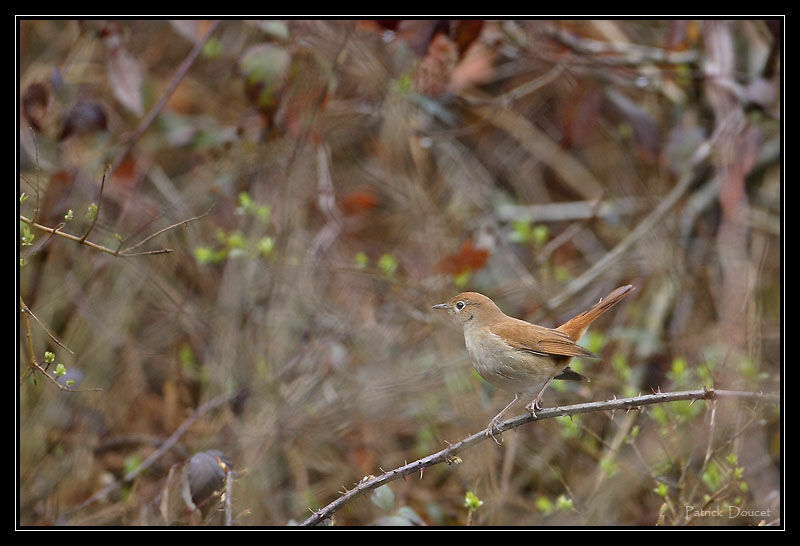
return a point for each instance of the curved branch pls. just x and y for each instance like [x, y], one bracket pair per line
[372, 482]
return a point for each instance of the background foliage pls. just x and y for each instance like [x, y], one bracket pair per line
[359, 173]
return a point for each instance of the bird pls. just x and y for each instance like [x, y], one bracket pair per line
[517, 356]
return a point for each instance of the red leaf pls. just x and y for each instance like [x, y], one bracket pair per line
[468, 258]
[359, 201]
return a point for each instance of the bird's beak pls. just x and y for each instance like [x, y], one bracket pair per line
[440, 306]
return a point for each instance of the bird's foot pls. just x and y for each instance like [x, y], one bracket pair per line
[489, 430]
[532, 407]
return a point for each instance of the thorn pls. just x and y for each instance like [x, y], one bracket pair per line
[613, 412]
[692, 401]
[421, 472]
[652, 391]
[659, 389]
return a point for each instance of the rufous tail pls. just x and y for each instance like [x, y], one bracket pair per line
[576, 326]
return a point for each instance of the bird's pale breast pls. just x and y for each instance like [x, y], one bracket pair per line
[505, 367]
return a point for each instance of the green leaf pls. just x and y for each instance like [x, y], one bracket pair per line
[131, 463]
[266, 245]
[570, 426]
[659, 415]
[213, 48]
[679, 367]
[561, 273]
[206, 255]
[544, 505]
[263, 213]
[462, 278]
[26, 236]
[608, 466]
[713, 477]
[620, 365]
[236, 239]
[60, 369]
[472, 501]
[540, 234]
[522, 231]
[685, 410]
[91, 211]
[23, 197]
[661, 489]
[49, 357]
[361, 259]
[595, 341]
[245, 201]
[564, 503]
[388, 264]
[69, 215]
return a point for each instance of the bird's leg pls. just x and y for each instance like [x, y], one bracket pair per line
[533, 406]
[496, 419]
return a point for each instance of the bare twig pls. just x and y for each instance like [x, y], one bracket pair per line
[28, 337]
[643, 228]
[96, 212]
[33, 364]
[180, 73]
[567, 234]
[127, 251]
[43, 244]
[76, 238]
[711, 428]
[541, 146]
[446, 454]
[50, 334]
[59, 385]
[228, 500]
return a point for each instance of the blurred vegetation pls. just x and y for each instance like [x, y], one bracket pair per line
[360, 172]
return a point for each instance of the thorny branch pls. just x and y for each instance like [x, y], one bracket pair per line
[369, 483]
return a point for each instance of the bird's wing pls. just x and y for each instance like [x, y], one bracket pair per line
[525, 336]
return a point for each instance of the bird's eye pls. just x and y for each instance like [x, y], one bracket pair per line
[460, 305]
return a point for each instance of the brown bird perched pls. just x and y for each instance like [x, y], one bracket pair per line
[518, 356]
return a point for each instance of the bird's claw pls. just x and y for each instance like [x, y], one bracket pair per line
[532, 407]
[489, 432]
